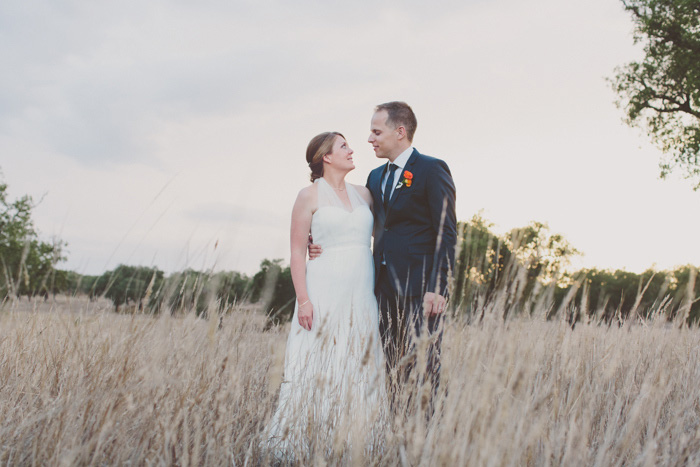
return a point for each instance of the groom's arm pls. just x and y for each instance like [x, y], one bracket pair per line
[441, 200]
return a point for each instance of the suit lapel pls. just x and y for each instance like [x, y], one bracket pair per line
[377, 182]
[399, 191]
[376, 187]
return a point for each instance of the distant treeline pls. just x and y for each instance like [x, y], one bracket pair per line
[519, 272]
[148, 289]
[527, 270]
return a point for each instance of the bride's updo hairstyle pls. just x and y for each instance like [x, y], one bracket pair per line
[318, 147]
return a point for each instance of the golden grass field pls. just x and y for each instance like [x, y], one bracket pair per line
[81, 385]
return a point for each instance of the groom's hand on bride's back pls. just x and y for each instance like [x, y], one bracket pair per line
[314, 250]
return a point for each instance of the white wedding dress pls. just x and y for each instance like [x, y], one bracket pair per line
[333, 391]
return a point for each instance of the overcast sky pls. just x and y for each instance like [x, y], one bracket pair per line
[174, 133]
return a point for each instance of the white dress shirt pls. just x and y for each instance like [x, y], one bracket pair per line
[401, 163]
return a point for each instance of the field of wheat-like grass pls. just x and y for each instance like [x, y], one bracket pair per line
[81, 385]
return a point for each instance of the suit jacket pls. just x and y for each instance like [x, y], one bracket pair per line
[417, 234]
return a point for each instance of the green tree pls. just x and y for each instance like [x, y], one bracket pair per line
[26, 262]
[183, 291]
[272, 287]
[78, 283]
[686, 293]
[232, 287]
[611, 294]
[509, 272]
[481, 259]
[661, 93]
[195, 290]
[544, 254]
[129, 285]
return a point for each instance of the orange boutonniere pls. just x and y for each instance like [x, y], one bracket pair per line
[407, 179]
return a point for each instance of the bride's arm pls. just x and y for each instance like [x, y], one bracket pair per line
[301, 226]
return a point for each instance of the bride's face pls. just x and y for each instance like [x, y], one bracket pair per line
[341, 157]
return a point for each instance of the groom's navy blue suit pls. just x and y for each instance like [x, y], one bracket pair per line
[414, 252]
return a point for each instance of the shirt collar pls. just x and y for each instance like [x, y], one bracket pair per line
[403, 157]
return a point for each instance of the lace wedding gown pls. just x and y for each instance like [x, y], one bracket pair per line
[333, 390]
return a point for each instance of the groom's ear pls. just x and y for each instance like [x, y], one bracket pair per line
[401, 132]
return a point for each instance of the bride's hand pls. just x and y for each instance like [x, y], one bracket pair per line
[306, 315]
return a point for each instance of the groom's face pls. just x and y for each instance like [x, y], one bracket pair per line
[382, 137]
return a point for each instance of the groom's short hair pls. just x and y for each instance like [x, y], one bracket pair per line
[400, 114]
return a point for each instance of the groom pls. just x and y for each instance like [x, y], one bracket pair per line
[415, 234]
[414, 242]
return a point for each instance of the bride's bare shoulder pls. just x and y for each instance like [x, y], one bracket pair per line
[361, 189]
[364, 192]
[308, 195]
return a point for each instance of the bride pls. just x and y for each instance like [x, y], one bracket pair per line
[333, 393]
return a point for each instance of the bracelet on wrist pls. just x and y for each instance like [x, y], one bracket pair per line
[302, 304]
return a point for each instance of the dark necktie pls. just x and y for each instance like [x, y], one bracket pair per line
[388, 185]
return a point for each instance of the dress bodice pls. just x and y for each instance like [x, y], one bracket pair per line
[334, 226]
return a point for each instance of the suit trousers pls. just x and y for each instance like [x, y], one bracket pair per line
[402, 325]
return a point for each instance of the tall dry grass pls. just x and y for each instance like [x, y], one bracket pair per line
[80, 385]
